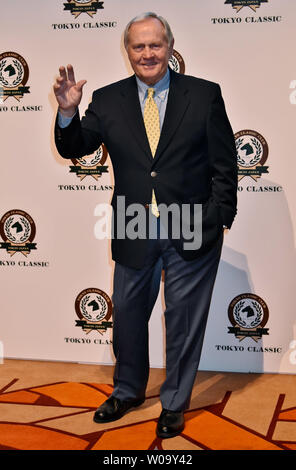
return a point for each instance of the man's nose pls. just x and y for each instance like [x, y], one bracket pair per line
[147, 52]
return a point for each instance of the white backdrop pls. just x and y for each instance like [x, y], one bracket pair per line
[49, 253]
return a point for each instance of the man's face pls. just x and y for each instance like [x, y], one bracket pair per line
[148, 50]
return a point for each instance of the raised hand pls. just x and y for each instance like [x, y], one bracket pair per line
[68, 93]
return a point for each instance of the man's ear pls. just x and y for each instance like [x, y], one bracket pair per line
[172, 47]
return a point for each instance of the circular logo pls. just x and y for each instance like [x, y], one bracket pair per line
[176, 62]
[91, 165]
[252, 148]
[248, 312]
[93, 306]
[14, 70]
[76, 7]
[17, 227]
[98, 157]
[252, 153]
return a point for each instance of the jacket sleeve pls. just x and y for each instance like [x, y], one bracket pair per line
[223, 159]
[80, 137]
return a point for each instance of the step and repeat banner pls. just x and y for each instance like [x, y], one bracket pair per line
[55, 273]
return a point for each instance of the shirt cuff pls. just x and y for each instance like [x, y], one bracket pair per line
[64, 121]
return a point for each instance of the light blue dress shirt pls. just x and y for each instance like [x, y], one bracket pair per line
[160, 96]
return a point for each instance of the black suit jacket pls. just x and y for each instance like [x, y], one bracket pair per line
[195, 161]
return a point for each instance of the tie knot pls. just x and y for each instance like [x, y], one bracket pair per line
[151, 92]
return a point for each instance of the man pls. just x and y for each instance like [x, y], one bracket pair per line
[172, 145]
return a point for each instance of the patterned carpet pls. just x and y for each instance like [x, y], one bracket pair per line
[257, 415]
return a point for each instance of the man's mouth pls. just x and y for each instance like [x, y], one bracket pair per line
[150, 65]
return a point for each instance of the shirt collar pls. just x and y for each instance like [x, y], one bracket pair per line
[161, 87]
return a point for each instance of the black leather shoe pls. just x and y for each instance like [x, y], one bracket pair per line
[170, 423]
[113, 409]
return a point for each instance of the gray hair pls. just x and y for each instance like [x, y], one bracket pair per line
[143, 16]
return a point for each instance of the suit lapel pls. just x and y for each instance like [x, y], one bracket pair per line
[178, 101]
[132, 110]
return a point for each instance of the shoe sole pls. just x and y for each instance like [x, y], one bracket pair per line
[109, 420]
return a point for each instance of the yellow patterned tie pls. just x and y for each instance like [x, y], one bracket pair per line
[152, 125]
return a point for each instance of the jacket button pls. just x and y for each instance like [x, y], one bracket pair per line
[153, 174]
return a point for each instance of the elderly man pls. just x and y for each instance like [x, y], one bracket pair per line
[170, 143]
